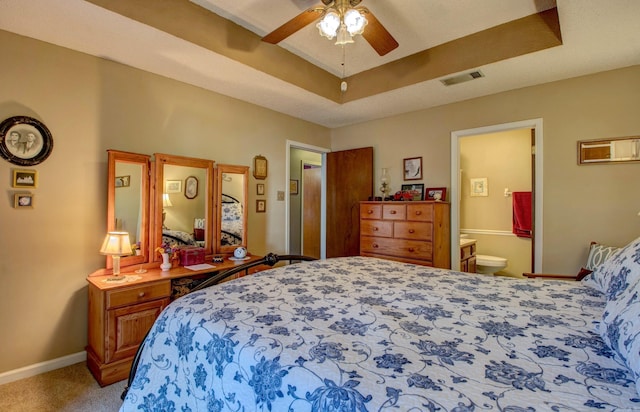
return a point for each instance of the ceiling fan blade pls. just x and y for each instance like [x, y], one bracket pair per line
[378, 37]
[293, 25]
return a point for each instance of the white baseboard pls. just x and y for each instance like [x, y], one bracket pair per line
[42, 367]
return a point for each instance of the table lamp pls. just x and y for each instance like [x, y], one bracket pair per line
[116, 244]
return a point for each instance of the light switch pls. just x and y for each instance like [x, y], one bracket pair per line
[280, 195]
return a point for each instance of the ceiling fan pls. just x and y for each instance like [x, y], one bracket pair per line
[375, 33]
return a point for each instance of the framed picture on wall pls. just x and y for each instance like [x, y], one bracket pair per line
[24, 141]
[479, 187]
[260, 189]
[23, 201]
[191, 187]
[173, 186]
[412, 168]
[123, 181]
[25, 178]
[261, 206]
[293, 187]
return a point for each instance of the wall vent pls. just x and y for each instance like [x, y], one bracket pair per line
[461, 78]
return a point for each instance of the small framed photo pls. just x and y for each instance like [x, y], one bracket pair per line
[25, 179]
[23, 201]
[260, 189]
[479, 187]
[173, 186]
[191, 187]
[293, 187]
[412, 168]
[261, 206]
[414, 192]
[123, 181]
[439, 194]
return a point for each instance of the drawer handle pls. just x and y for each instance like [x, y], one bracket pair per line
[375, 229]
[393, 212]
[141, 294]
[369, 211]
[418, 212]
[411, 249]
[375, 245]
[411, 231]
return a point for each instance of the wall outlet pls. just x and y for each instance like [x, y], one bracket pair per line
[280, 195]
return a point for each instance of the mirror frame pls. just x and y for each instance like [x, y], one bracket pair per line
[221, 169]
[166, 159]
[144, 161]
[584, 145]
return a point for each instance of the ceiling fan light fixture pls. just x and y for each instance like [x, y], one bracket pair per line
[343, 36]
[329, 24]
[354, 21]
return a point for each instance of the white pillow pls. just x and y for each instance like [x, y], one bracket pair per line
[620, 327]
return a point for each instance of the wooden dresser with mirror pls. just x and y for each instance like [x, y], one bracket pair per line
[179, 200]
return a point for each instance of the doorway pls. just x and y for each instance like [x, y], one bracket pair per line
[535, 126]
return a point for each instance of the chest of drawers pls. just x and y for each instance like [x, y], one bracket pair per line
[413, 232]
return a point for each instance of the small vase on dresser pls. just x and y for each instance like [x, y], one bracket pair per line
[166, 263]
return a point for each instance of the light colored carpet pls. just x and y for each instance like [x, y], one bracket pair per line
[69, 389]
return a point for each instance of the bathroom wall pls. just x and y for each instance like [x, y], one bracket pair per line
[504, 159]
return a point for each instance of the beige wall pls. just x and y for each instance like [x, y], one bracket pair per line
[581, 203]
[504, 159]
[91, 105]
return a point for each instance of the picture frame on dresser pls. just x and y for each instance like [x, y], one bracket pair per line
[436, 193]
[415, 190]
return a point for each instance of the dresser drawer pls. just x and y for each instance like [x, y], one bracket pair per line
[412, 249]
[413, 230]
[376, 228]
[467, 251]
[421, 213]
[138, 294]
[369, 211]
[394, 212]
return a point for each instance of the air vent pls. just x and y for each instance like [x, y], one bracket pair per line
[461, 78]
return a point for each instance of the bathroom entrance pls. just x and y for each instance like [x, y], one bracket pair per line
[496, 195]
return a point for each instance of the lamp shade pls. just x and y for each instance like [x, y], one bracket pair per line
[116, 244]
[166, 201]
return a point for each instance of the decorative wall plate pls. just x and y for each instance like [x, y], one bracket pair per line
[24, 141]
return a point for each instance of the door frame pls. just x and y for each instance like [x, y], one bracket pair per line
[454, 197]
[291, 144]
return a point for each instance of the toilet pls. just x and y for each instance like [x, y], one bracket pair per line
[489, 265]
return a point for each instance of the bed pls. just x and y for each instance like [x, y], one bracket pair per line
[231, 221]
[365, 334]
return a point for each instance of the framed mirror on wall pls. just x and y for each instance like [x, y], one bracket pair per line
[183, 202]
[128, 203]
[231, 197]
[614, 150]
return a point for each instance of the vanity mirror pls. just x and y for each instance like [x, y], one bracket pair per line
[128, 203]
[183, 216]
[615, 150]
[231, 196]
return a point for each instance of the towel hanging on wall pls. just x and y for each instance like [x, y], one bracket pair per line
[522, 214]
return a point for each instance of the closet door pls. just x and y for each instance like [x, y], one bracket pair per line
[349, 180]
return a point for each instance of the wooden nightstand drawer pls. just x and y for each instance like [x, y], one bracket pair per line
[412, 249]
[369, 211]
[376, 228]
[422, 213]
[412, 230]
[394, 212]
[138, 294]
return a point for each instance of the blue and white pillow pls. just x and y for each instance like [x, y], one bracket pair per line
[599, 254]
[620, 327]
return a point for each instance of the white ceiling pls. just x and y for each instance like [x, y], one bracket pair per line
[597, 35]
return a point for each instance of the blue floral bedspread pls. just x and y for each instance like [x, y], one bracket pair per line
[364, 334]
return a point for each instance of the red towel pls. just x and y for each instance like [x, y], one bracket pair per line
[522, 214]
